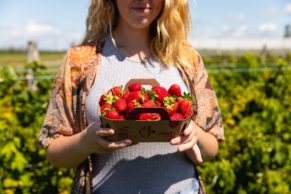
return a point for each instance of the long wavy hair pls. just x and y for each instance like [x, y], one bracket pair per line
[168, 33]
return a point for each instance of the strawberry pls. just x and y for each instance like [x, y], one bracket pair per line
[152, 94]
[175, 90]
[116, 91]
[112, 114]
[148, 104]
[161, 93]
[121, 117]
[170, 104]
[120, 105]
[188, 114]
[158, 104]
[106, 106]
[157, 116]
[134, 87]
[132, 104]
[135, 95]
[171, 109]
[185, 106]
[125, 95]
[146, 116]
[102, 100]
[146, 96]
[107, 98]
[176, 116]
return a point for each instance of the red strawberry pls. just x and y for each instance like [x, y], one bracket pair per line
[125, 95]
[185, 106]
[112, 114]
[157, 116]
[120, 105]
[116, 91]
[121, 117]
[132, 104]
[106, 106]
[161, 93]
[176, 116]
[148, 104]
[102, 100]
[146, 116]
[158, 104]
[134, 87]
[188, 114]
[151, 94]
[135, 95]
[175, 90]
[170, 104]
[171, 109]
[107, 98]
[146, 96]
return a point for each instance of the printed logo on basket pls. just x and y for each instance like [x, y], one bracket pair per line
[146, 131]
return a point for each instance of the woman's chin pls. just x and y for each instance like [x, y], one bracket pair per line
[142, 23]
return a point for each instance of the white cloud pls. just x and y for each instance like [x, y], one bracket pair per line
[267, 29]
[46, 35]
[288, 9]
[237, 17]
[38, 28]
[225, 29]
[240, 43]
[241, 31]
[278, 11]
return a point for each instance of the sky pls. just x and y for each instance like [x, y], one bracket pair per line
[216, 24]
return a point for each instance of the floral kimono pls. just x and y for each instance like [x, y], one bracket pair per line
[66, 113]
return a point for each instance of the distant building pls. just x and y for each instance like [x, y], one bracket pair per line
[287, 33]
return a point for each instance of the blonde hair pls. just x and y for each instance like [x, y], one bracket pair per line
[169, 32]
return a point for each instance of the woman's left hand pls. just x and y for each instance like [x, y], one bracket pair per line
[188, 141]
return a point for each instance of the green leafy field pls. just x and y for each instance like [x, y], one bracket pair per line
[254, 97]
[18, 58]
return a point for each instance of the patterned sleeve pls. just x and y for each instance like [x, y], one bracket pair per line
[59, 117]
[208, 113]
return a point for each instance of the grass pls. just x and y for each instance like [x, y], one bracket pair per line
[12, 58]
[52, 56]
[241, 52]
[18, 58]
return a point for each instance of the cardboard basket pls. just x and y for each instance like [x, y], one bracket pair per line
[145, 131]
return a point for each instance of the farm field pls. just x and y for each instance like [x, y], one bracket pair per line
[253, 91]
[18, 58]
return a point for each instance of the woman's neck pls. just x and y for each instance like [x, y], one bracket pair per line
[133, 43]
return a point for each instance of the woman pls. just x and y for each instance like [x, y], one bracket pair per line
[130, 39]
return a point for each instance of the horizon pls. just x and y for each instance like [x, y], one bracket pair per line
[240, 24]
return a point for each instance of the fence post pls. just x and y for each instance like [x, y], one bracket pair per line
[32, 56]
[32, 52]
[30, 79]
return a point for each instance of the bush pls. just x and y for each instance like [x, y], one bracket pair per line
[255, 158]
[24, 168]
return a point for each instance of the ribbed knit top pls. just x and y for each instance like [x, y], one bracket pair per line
[146, 168]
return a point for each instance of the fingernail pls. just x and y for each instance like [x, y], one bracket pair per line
[173, 141]
[128, 141]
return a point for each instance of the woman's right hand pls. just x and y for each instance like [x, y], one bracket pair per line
[94, 141]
